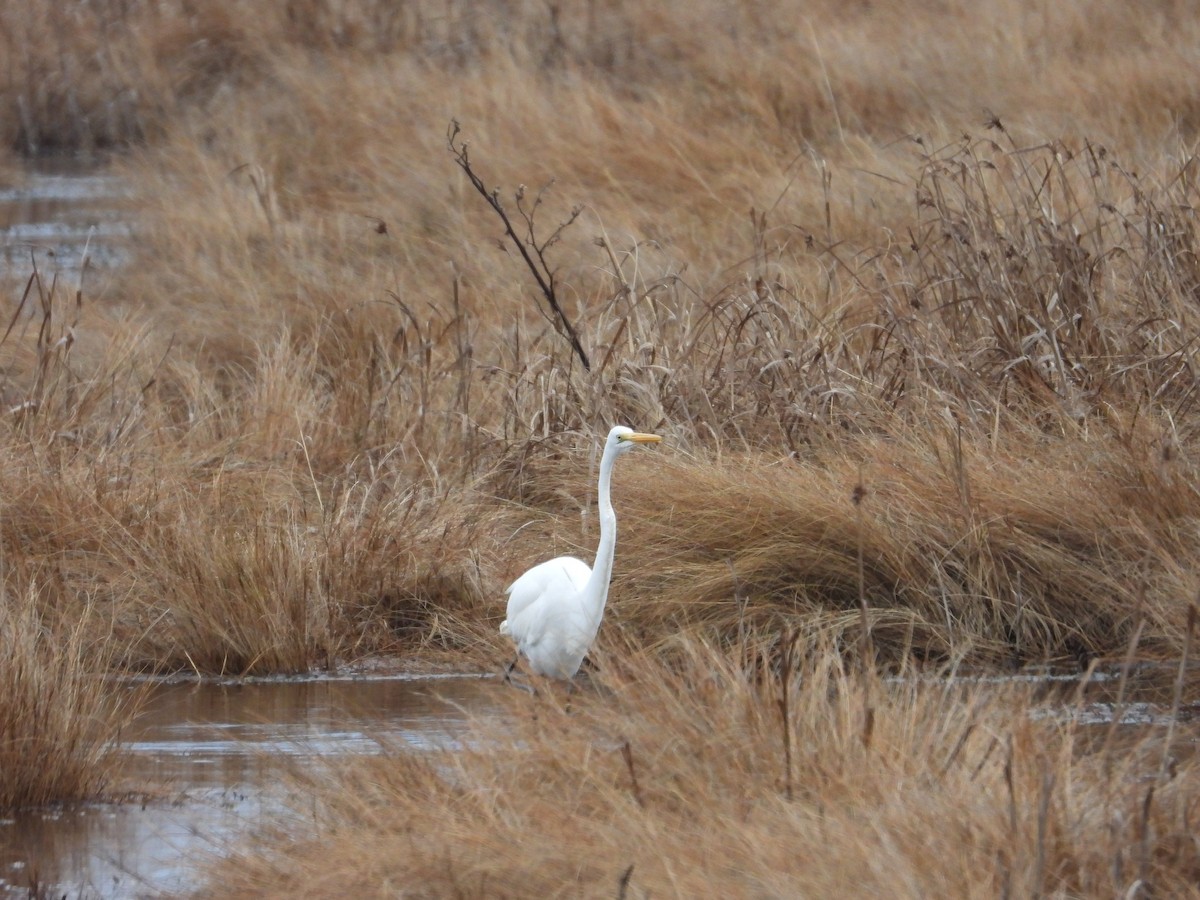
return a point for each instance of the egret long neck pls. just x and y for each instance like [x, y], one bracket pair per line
[595, 594]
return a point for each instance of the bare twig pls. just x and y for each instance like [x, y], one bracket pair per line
[1177, 698]
[532, 252]
[627, 754]
[623, 882]
[786, 668]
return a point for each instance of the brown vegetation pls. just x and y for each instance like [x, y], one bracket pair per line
[909, 288]
[58, 719]
[701, 779]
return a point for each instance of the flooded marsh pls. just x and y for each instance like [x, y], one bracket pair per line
[325, 309]
[204, 763]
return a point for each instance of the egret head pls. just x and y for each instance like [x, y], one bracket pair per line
[623, 439]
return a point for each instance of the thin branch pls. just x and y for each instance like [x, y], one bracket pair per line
[533, 253]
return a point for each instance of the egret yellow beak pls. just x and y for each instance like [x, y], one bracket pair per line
[639, 438]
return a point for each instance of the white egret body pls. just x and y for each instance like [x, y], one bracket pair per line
[554, 609]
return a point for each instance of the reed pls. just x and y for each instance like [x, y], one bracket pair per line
[1011, 398]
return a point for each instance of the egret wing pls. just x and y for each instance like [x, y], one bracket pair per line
[546, 618]
[562, 577]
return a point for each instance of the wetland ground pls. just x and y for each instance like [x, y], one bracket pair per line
[910, 290]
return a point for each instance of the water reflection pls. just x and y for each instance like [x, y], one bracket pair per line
[208, 761]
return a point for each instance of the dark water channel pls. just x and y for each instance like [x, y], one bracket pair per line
[208, 761]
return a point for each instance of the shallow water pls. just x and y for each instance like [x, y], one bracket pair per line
[207, 761]
[61, 212]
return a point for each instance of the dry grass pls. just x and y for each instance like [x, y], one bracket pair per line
[60, 717]
[910, 292]
[1015, 400]
[319, 415]
[702, 779]
[1007, 561]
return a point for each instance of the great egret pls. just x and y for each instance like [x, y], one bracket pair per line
[554, 609]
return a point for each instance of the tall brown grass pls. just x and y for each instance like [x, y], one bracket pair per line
[60, 717]
[704, 779]
[320, 414]
[909, 290]
[826, 73]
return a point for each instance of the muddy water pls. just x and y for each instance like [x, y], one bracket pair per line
[207, 761]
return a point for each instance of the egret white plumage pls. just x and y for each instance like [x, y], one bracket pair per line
[554, 609]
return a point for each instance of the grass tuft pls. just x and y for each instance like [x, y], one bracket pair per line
[60, 717]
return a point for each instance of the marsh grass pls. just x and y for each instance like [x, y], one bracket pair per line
[60, 717]
[697, 778]
[1009, 389]
[926, 373]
